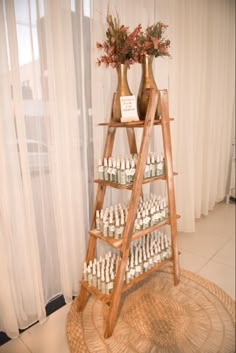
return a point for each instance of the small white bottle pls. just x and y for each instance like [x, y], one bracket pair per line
[100, 170]
[145, 262]
[122, 173]
[147, 168]
[140, 260]
[117, 229]
[114, 172]
[127, 172]
[136, 263]
[111, 283]
[158, 214]
[162, 167]
[98, 277]
[105, 227]
[127, 273]
[132, 269]
[166, 207]
[155, 258]
[90, 276]
[148, 218]
[137, 222]
[94, 277]
[158, 165]
[98, 221]
[109, 169]
[111, 228]
[144, 219]
[118, 170]
[132, 171]
[152, 215]
[151, 260]
[152, 166]
[105, 168]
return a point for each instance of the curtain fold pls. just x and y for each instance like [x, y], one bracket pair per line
[44, 202]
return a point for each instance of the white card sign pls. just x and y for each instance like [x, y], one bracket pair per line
[128, 109]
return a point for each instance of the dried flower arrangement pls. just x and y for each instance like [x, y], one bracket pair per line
[152, 41]
[125, 47]
[120, 45]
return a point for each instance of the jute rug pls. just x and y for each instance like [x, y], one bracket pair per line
[195, 316]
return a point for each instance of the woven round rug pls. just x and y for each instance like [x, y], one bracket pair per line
[158, 317]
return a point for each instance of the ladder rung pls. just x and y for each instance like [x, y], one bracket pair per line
[118, 243]
[106, 298]
[139, 123]
[130, 186]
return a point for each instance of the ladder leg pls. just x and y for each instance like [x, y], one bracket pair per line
[115, 301]
[134, 200]
[165, 124]
[81, 299]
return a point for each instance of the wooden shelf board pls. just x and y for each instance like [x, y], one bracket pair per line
[146, 274]
[139, 123]
[106, 298]
[118, 243]
[130, 186]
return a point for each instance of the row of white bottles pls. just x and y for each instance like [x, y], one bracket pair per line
[121, 170]
[152, 209]
[101, 273]
[145, 253]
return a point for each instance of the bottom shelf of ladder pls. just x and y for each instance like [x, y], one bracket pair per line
[106, 298]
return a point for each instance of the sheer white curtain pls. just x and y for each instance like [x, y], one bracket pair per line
[200, 79]
[45, 148]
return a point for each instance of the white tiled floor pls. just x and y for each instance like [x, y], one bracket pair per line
[210, 252]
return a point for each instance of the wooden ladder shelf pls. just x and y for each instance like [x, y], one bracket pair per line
[124, 244]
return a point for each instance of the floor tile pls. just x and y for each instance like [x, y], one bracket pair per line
[190, 261]
[14, 346]
[219, 222]
[49, 337]
[226, 255]
[204, 244]
[220, 274]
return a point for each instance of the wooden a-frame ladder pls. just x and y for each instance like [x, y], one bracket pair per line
[113, 300]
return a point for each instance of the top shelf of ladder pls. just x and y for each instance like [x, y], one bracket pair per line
[139, 123]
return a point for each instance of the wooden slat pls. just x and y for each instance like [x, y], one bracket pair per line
[133, 205]
[166, 136]
[117, 243]
[132, 123]
[106, 298]
[109, 142]
[130, 186]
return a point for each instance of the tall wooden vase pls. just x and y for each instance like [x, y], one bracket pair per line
[146, 84]
[121, 90]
